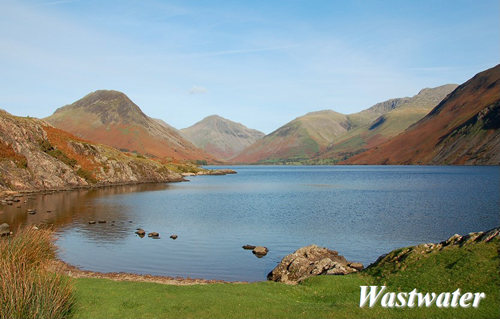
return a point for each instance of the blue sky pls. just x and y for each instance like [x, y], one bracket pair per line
[260, 63]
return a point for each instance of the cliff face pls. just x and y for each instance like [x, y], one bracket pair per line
[462, 130]
[35, 156]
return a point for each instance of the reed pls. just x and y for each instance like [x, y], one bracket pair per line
[28, 289]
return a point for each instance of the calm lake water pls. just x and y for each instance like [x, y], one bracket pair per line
[360, 211]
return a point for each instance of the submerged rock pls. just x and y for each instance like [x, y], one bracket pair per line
[311, 261]
[140, 232]
[249, 247]
[92, 222]
[153, 234]
[174, 237]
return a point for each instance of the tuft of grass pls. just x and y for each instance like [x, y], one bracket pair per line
[27, 288]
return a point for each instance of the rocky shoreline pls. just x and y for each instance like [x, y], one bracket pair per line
[6, 195]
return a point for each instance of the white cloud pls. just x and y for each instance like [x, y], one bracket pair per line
[198, 90]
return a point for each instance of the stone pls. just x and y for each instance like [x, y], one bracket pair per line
[140, 232]
[102, 222]
[260, 251]
[5, 230]
[357, 266]
[311, 261]
[249, 247]
[153, 234]
[92, 222]
[174, 237]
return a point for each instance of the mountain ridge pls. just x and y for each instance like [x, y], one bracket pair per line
[461, 130]
[330, 135]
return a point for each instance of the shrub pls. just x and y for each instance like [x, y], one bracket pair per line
[28, 289]
[88, 176]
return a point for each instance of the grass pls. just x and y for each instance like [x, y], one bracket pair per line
[28, 289]
[472, 268]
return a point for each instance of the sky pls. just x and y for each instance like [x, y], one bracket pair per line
[259, 63]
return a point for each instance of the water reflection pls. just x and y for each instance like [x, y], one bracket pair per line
[74, 210]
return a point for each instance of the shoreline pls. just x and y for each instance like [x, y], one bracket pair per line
[48, 191]
[64, 268]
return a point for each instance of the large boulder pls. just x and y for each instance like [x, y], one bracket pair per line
[311, 261]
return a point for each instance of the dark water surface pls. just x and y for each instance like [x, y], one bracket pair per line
[361, 211]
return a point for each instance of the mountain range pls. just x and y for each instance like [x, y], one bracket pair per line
[447, 124]
[331, 135]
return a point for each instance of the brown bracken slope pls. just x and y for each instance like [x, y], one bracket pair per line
[111, 118]
[461, 130]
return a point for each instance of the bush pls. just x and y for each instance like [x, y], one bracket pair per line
[88, 176]
[28, 289]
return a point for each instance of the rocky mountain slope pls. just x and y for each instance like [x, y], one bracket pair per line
[462, 130]
[111, 118]
[388, 125]
[221, 137]
[35, 156]
[328, 134]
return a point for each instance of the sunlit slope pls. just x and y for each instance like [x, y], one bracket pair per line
[111, 118]
[462, 129]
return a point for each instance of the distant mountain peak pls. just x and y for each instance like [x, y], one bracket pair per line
[221, 137]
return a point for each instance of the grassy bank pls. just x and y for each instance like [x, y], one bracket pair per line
[471, 268]
[28, 289]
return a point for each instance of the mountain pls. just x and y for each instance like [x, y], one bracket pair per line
[393, 121]
[111, 118]
[35, 155]
[330, 135]
[221, 137]
[301, 138]
[463, 129]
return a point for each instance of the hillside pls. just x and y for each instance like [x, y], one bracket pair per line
[37, 156]
[462, 130]
[303, 137]
[388, 125]
[221, 137]
[331, 136]
[111, 118]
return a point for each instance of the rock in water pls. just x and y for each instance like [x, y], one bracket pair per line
[311, 261]
[153, 234]
[260, 251]
[140, 232]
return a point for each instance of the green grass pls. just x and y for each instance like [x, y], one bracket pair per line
[471, 268]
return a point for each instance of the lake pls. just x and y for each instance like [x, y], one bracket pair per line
[360, 211]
